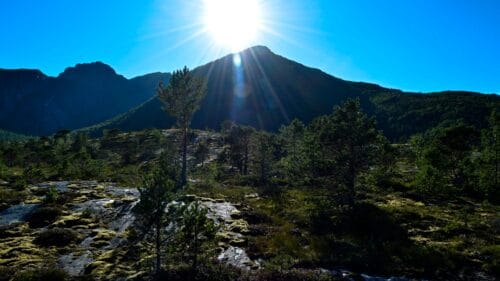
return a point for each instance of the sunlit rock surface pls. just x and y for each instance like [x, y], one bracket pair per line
[16, 213]
[101, 214]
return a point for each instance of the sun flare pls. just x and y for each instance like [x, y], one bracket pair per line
[233, 24]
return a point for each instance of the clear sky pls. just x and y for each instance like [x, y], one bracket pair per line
[417, 45]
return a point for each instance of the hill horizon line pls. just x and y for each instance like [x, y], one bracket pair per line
[109, 67]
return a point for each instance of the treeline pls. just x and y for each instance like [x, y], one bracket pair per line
[344, 149]
[459, 160]
[73, 155]
[333, 150]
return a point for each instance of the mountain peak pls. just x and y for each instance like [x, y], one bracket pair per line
[257, 49]
[88, 69]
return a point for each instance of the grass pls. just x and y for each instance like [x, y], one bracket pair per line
[391, 232]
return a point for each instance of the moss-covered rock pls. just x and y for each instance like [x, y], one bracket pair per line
[239, 226]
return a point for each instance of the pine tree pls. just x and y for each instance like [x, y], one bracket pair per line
[263, 154]
[239, 139]
[181, 99]
[293, 161]
[349, 143]
[195, 231]
[158, 191]
[201, 153]
[489, 172]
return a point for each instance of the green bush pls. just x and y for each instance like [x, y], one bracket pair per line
[59, 237]
[43, 216]
[10, 197]
[51, 196]
[42, 274]
[492, 264]
[20, 183]
[33, 174]
[6, 273]
[367, 221]
[3, 170]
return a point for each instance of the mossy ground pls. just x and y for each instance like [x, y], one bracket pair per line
[390, 232]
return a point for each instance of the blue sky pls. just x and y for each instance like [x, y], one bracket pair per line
[421, 45]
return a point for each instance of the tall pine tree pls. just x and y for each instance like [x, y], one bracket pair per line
[181, 99]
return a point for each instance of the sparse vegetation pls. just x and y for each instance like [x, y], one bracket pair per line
[422, 209]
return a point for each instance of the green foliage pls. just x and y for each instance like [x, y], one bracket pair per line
[430, 181]
[111, 133]
[344, 145]
[239, 139]
[51, 196]
[201, 153]
[445, 160]
[33, 174]
[489, 170]
[293, 162]
[80, 142]
[3, 169]
[158, 191]
[264, 156]
[402, 115]
[195, 232]
[81, 166]
[181, 99]
[493, 261]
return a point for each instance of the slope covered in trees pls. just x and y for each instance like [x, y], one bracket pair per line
[321, 201]
[268, 91]
[36, 104]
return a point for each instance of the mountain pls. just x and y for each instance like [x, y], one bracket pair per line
[36, 104]
[267, 91]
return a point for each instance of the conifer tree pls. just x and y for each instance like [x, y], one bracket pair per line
[158, 191]
[181, 99]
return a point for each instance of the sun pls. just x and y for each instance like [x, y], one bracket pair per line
[233, 24]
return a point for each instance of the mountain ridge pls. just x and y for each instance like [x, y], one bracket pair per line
[36, 104]
[277, 90]
[265, 91]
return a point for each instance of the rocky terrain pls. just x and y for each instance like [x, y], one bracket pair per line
[92, 230]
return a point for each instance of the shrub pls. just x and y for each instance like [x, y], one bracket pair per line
[3, 170]
[51, 196]
[43, 216]
[5, 273]
[10, 197]
[20, 183]
[33, 174]
[59, 237]
[367, 221]
[42, 274]
[493, 262]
